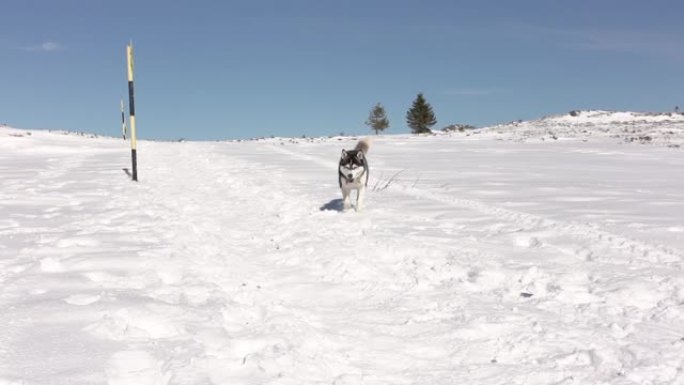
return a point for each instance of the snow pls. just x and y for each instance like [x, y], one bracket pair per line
[665, 129]
[480, 258]
[611, 117]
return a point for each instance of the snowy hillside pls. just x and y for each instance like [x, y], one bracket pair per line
[666, 129]
[476, 261]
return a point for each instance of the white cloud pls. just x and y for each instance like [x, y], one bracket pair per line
[48, 46]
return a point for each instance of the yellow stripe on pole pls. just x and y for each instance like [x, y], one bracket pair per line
[131, 121]
[129, 55]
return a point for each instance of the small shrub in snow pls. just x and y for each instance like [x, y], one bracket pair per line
[458, 127]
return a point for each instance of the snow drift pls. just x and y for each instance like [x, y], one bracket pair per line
[666, 129]
[476, 261]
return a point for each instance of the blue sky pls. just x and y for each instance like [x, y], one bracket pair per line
[238, 69]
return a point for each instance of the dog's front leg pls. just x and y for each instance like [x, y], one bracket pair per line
[359, 198]
[346, 199]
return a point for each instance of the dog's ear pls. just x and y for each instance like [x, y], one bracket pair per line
[344, 153]
[359, 155]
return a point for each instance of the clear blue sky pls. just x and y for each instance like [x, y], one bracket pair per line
[239, 69]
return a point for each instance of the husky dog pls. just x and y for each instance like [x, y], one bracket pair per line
[353, 173]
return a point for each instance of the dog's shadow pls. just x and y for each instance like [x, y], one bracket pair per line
[333, 205]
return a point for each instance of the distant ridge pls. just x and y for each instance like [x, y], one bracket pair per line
[663, 128]
[603, 116]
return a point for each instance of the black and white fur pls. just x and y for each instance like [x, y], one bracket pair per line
[353, 173]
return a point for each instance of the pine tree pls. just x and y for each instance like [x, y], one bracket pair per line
[377, 119]
[420, 117]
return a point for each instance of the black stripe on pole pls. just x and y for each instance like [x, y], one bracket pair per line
[131, 102]
[134, 157]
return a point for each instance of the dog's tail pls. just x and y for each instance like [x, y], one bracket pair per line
[364, 145]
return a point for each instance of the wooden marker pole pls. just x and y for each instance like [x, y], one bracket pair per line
[123, 120]
[131, 111]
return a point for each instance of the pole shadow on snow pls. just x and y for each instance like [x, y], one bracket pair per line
[128, 172]
[333, 205]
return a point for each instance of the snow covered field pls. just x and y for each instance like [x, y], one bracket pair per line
[476, 261]
[664, 129]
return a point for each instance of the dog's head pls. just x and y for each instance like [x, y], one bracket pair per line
[352, 164]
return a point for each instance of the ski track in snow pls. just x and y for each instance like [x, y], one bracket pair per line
[641, 250]
[230, 263]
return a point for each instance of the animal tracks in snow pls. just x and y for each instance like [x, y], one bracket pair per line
[135, 367]
[638, 249]
[219, 267]
[82, 299]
